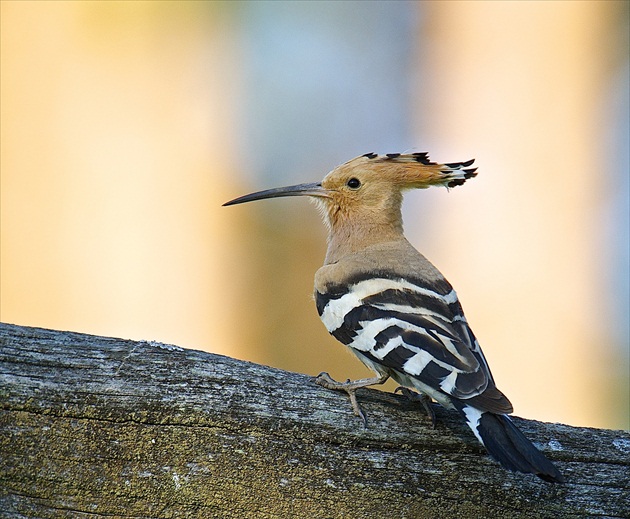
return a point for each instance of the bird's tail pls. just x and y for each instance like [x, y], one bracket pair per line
[508, 445]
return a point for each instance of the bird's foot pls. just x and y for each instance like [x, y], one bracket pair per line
[425, 400]
[350, 387]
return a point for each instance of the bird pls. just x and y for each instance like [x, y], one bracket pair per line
[394, 310]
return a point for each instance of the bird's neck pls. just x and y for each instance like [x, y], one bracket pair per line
[352, 235]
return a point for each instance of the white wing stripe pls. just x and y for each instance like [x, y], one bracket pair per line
[449, 383]
[418, 362]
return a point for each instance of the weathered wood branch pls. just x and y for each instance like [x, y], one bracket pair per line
[100, 427]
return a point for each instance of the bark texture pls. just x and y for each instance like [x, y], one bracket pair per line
[103, 427]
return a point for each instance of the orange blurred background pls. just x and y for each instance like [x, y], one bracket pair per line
[126, 125]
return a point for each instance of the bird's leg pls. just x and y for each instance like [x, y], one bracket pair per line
[424, 399]
[350, 387]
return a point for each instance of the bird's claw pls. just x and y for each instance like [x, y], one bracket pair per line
[425, 401]
[325, 380]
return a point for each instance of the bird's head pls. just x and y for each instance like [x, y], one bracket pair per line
[367, 190]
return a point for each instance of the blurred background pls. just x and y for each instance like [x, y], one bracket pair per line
[125, 126]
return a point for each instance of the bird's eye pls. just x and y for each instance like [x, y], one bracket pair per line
[354, 183]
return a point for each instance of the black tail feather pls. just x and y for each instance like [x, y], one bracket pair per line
[509, 446]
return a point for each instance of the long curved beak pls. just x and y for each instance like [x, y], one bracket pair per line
[313, 189]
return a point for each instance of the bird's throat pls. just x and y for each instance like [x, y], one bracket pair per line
[349, 237]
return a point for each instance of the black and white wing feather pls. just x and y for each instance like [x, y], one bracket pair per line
[416, 331]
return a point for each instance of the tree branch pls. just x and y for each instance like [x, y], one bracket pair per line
[96, 426]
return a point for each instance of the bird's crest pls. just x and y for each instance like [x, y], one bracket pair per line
[407, 171]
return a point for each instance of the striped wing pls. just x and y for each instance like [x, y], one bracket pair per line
[415, 329]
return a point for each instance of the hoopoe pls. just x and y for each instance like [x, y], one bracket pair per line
[385, 301]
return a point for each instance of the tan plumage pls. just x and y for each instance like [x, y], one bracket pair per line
[358, 218]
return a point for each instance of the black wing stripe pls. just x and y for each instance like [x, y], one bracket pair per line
[425, 302]
[382, 338]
